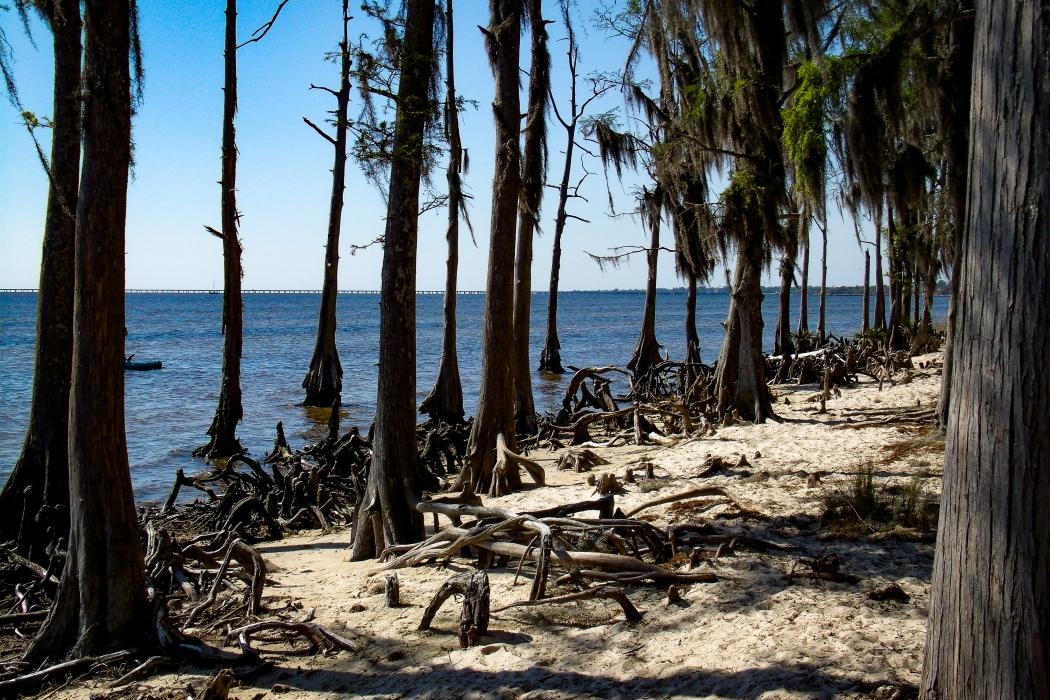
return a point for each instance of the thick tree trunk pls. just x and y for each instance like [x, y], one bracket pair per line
[37, 490]
[495, 413]
[386, 514]
[101, 602]
[445, 400]
[740, 378]
[324, 379]
[803, 289]
[867, 291]
[228, 412]
[960, 75]
[990, 599]
[534, 172]
[647, 351]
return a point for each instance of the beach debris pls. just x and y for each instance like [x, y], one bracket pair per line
[392, 591]
[582, 460]
[474, 616]
[823, 567]
[891, 591]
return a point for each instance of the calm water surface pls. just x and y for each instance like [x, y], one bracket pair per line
[169, 410]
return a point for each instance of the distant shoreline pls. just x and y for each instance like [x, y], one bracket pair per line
[842, 291]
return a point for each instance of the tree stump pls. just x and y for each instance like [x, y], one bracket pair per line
[392, 591]
[474, 617]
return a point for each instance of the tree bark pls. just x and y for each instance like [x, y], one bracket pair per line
[386, 514]
[550, 356]
[782, 344]
[867, 290]
[990, 599]
[43, 466]
[101, 601]
[228, 412]
[880, 295]
[445, 400]
[822, 309]
[692, 339]
[495, 412]
[960, 75]
[647, 351]
[324, 379]
[895, 337]
[803, 289]
[534, 172]
[740, 379]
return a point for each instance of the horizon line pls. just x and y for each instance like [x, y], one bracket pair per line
[428, 292]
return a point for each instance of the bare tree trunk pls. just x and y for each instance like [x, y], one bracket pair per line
[101, 602]
[782, 344]
[223, 430]
[647, 351]
[867, 290]
[324, 379]
[990, 598]
[880, 295]
[803, 290]
[960, 61]
[822, 309]
[692, 339]
[39, 483]
[386, 514]
[445, 400]
[740, 379]
[534, 172]
[895, 334]
[495, 413]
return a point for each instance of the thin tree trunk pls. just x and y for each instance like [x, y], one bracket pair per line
[445, 400]
[228, 412]
[990, 599]
[101, 601]
[895, 337]
[822, 328]
[740, 379]
[647, 351]
[803, 290]
[550, 356]
[534, 172]
[880, 295]
[386, 514]
[867, 290]
[782, 339]
[38, 489]
[324, 379]
[495, 413]
[692, 339]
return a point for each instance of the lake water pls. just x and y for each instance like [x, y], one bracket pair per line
[168, 410]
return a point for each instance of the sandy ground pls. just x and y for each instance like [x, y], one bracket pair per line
[752, 634]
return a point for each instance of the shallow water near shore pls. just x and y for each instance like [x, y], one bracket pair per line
[168, 410]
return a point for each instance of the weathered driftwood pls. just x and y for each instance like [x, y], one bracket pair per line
[320, 638]
[582, 460]
[29, 683]
[474, 617]
[616, 594]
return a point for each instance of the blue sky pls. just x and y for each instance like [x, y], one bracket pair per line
[284, 178]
